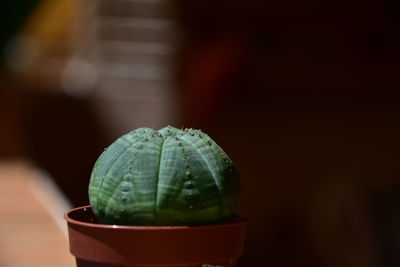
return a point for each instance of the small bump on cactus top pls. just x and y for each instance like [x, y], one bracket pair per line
[165, 177]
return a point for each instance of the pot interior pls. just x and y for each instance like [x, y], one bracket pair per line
[84, 214]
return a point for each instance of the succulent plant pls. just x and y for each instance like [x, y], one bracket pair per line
[165, 177]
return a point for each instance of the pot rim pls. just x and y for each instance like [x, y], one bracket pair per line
[241, 219]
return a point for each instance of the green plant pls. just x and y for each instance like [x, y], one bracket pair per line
[165, 177]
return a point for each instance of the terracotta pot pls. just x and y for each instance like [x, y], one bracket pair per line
[95, 244]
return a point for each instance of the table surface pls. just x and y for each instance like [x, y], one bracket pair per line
[32, 228]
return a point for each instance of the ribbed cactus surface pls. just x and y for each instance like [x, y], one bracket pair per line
[164, 177]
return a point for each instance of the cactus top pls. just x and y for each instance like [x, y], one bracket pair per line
[165, 177]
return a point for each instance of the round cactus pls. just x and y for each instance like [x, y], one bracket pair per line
[164, 177]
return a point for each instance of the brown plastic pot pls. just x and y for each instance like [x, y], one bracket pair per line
[101, 245]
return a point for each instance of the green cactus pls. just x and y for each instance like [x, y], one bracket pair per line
[164, 177]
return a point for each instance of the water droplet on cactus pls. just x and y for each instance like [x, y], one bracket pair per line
[126, 186]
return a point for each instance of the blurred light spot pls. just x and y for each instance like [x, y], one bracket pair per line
[79, 78]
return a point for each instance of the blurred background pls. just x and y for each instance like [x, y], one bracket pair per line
[303, 95]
